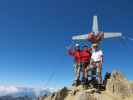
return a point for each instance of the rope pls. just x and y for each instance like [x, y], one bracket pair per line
[128, 38]
[124, 41]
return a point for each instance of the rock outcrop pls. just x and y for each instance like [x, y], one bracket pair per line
[60, 95]
[117, 88]
[119, 85]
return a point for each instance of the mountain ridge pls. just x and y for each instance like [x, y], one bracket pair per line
[117, 88]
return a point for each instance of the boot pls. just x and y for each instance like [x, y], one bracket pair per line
[76, 83]
[83, 81]
[86, 81]
[98, 90]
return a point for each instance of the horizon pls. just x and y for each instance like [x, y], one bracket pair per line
[34, 34]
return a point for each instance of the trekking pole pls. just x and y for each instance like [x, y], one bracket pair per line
[49, 79]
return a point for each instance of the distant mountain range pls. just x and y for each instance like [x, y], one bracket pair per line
[22, 93]
[16, 98]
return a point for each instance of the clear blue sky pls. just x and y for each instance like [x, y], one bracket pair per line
[34, 33]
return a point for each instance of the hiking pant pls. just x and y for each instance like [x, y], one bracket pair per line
[98, 67]
[77, 68]
[85, 68]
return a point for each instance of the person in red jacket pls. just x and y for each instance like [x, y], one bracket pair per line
[75, 52]
[85, 61]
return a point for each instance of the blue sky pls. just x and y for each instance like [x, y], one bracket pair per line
[34, 33]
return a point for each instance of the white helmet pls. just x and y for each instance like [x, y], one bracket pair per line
[76, 45]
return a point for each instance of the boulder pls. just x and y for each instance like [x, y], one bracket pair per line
[119, 85]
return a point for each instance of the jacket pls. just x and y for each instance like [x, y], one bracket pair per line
[85, 55]
[76, 55]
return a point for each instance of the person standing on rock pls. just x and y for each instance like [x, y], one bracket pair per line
[75, 52]
[85, 62]
[97, 61]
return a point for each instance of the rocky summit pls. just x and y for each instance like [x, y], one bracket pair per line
[117, 88]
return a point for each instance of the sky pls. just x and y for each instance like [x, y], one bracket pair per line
[34, 34]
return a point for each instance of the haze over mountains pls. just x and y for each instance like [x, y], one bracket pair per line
[22, 93]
